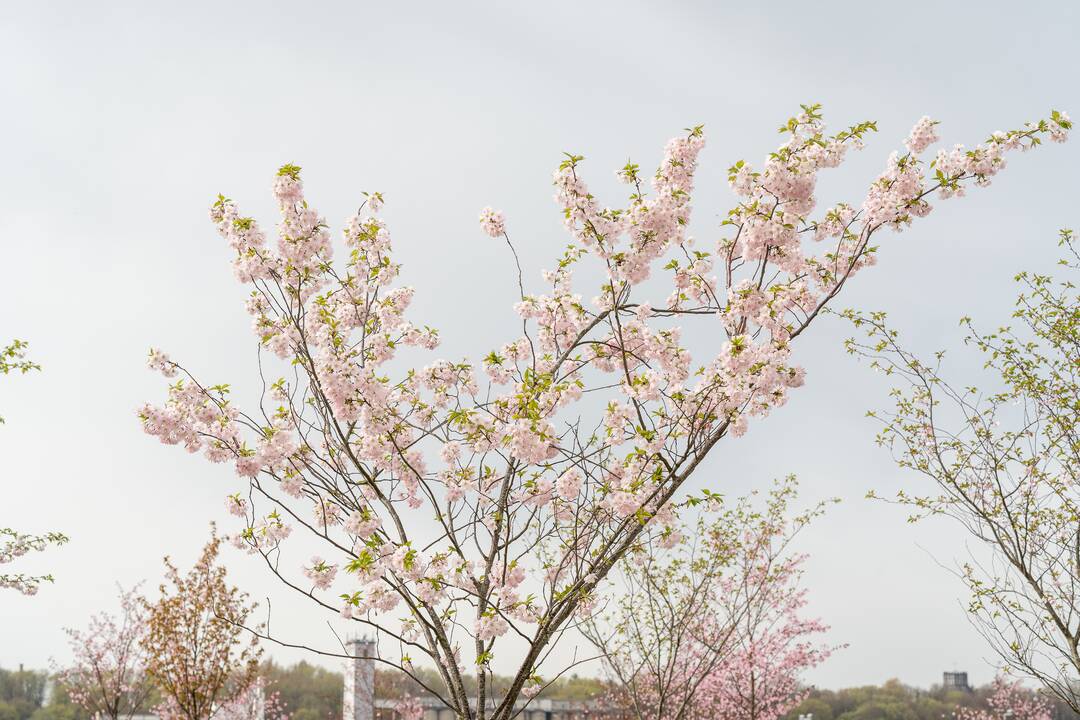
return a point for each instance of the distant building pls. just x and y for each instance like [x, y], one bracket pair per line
[955, 681]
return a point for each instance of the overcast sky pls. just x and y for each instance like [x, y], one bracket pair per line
[120, 123]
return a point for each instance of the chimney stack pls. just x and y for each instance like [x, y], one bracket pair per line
[359, 700]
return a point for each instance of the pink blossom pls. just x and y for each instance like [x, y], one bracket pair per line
[922, 136]
[320, 573]
[492, 222]
[160, 362]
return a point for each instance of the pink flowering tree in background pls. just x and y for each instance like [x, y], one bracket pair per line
[255, 702]
[409, 708]
[468, 511]
[1005, 464]
[15, 544]
[761, 679]
[1009, 701]
[693, 617]
[107, 676]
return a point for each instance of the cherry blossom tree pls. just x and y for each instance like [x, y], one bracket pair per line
[196, 648]
[1005, 465]
[409, 708]
[469, 510]
[697, 618]
[1009, 701]
[15, 544]
[761, 679]
[255, 702]
[107, 677]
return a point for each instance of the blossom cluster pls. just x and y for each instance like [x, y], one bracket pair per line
[14, 545]
[492, 222]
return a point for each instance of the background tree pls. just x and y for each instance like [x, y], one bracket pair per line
[1009, 701]
[58, 706]
[895, 701]
[761, 679]
[474, 517]
[259, 701]
[196, 648]
[695, 619]
[308, 691]
[891, 700]
[107, 677]
[22, 692]
[1006, 464]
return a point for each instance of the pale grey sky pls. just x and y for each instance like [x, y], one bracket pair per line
[121, 121]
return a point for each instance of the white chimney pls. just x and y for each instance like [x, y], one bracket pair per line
[359, 700]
